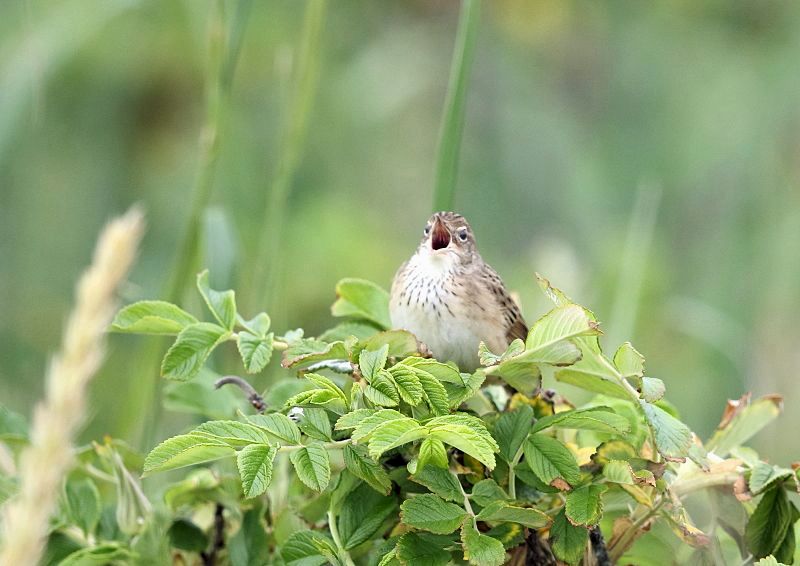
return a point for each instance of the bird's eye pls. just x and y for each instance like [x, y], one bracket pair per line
[427, 230]
[462, 234]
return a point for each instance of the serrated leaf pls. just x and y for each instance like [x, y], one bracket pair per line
[618, 471]
[673, 438]
[440, 481]
[473, 440]
[567, 541]
[371, 361]
[363, 512]
[307, 351]
[486, 492]
[258, 325]
[629, 361]
[401, 343]
[600, 419]
[278, 425]
[584, 505]
[222, 304]
[653, 389]
[382, 391]
[394, 433]
[361, 465]
[326, 384]
[305, 548]
[547, 336]
[408, 384]
[432, 453]
[594, 373]
[233, 433]
[185, 450]
[315, 423]
[255, 351]
[359, 298]
[255, 468]
[501, 512]
[423, 549]
[549, 459]
[185, 358]
[368, 425]
[152, 317]
[432, 513]
[312, 465]
[770, 523]
[352, 419]
[480, 549]
[511, 429]
[764, 475]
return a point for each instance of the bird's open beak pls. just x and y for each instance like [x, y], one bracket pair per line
[440, 236]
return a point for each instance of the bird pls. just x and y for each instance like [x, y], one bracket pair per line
[451, 299]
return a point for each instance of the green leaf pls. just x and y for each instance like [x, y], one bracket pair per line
[185, 535]
[316, 424]
[255, 351]
[440, 481]
[594, 373]
[360, 464]
[371, 361]
[618, 471]
[255, 468]
[629, 361]
[307, 548]
[423, 549]
[742, 420]
[185, 358]
[308, 351]
[382, 390]
[673, 438]
[547, 335]
[199, 397]
[473, 440]
[600, 419]
[481, 549]
[550, 460]
[362, 514]
[368, 424]
[770, 523]
[430, 374]
[258, 325]
[394, 433]
[344, 330]
[233, 433]
[408, 384]
[764, 475]
[359, 298]
[277, 425]
[511, 429]
[352, 419]
[185, 450]
[401, 343]
[501, 512]
[653, 389]
[152, 317]
[83, 504]
[486, 492]
[567, 541]
[584, 505]
[326, 384]
[312, 465]
[432, 453]
[99, 555]
[222, 304]
[432, 513]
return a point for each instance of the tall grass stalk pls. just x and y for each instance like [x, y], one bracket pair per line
[266, 270]
[452, 126]
[223, 53]
[48, 458]
[634, 261]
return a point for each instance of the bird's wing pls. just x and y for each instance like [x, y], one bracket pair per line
[512, 317]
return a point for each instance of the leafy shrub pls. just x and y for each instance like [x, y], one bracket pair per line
[380, 455]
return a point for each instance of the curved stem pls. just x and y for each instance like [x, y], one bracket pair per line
[343, 554]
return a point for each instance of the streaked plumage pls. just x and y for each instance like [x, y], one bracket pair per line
[450, 298]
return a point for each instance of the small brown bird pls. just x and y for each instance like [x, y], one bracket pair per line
[450, 299]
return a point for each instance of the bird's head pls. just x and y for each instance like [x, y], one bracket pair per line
[448, 233]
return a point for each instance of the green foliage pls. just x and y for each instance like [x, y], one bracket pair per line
[397, 458]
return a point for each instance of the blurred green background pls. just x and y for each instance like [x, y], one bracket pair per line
[644, 156]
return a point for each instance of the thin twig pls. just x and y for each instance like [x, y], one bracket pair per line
[256, 400]
[210, 557]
